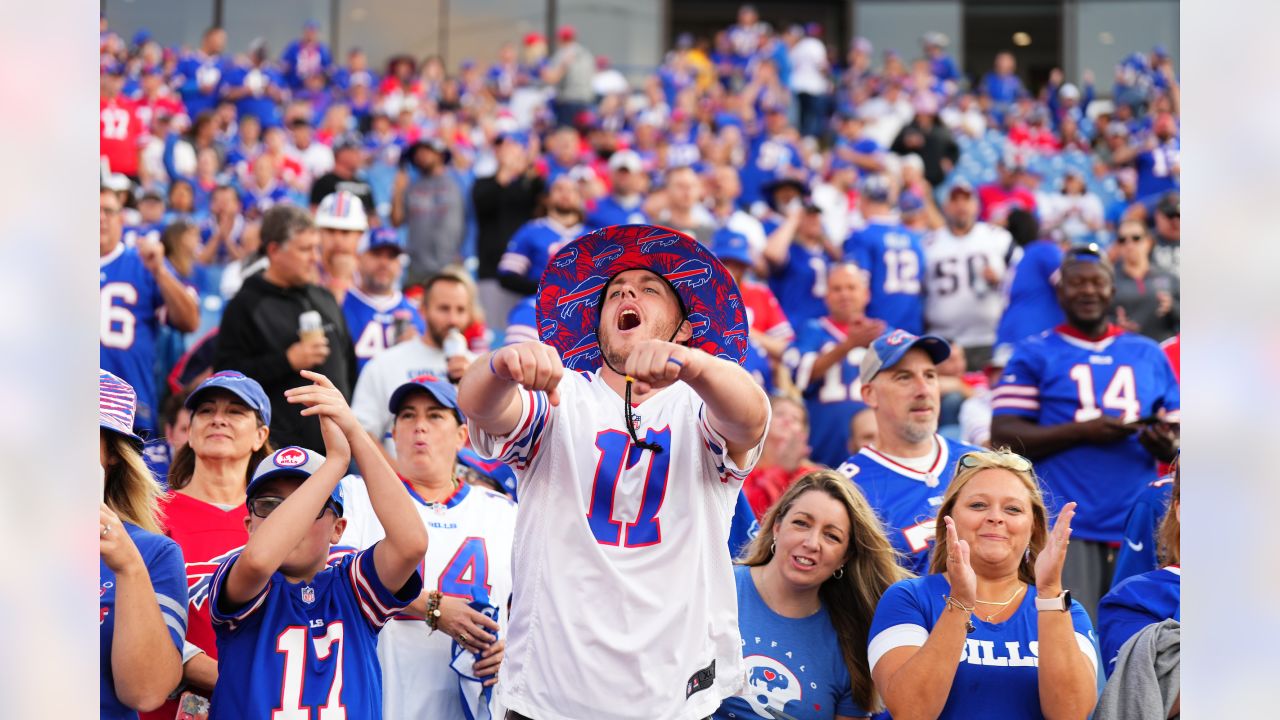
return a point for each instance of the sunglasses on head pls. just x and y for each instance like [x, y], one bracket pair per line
[266, 504]
[1014, 460]
[1084, 252]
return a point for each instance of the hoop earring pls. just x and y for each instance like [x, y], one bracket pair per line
[773, 547]
[839, 573]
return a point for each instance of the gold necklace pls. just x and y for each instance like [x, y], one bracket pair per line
[1001, 605]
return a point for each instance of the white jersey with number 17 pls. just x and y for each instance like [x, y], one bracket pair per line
[624, 603]
[960, 303]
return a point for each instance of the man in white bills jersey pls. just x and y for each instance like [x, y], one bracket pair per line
[466, 572]
[966, 261]
[629, 466]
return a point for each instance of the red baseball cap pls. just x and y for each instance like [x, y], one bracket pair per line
[566, 32]
[533, 38]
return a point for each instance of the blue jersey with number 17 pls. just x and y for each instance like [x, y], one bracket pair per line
[1058, 377]
[906, 500]
[371, 322]
[301, 647]
[893, 257]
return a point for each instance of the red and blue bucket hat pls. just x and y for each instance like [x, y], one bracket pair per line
[572, 288]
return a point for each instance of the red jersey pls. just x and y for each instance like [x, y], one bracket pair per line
[1171, 351]
[207, 535]
[120, 134]
[996, 201]
[164, 103]
[765, 485]
[764, 313]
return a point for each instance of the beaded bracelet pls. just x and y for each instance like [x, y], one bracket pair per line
[968, 621]
[433, 608]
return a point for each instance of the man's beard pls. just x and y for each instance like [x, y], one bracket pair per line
[916, 432]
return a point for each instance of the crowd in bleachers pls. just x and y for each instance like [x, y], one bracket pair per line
[267, 213]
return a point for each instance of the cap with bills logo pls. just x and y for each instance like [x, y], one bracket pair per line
[294, 462]
[889, 349]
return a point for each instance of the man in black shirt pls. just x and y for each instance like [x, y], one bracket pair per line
[260, 326]
[347, 159]
[503, 202]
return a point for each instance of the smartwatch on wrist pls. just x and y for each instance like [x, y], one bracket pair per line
[1061, 603]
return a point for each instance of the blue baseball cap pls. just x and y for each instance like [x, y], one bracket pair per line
[889, 349]
[731, 246]
[292, 461]
[238, 384]
[442, 390]
[381, 237]
[876, 188]
[910, 203]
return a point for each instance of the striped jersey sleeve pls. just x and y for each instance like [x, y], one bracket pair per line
[220, 610]
[377, 602]
[169, 581]
[518, 448]
[1018, 392]
[717, 448]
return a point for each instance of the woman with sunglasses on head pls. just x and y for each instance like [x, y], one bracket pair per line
[142, 615]
[204, 512]
[994, 600]
[807, 588]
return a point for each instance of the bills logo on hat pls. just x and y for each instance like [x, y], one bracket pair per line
[567, 258]
[690, 274]
[665, 241]
[290, 457]
[547, 328]
[584, 354]
[605, 256]
[698, 322]
[897, 337]
[585, 294]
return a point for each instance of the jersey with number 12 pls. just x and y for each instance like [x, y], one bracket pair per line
[1059, 377]
[625, 589]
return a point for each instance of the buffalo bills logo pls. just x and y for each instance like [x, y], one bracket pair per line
[767, 677]
[584, 354]
[566, 259]
[771, 686]
[735, 300]
[585, 294]
[739, 340]
[699, 324]
[200, 577]
[897, 337]
[547, 328]
[290, 457]
[667, 240]
[425, 379]
[689, 275]
[606, 255]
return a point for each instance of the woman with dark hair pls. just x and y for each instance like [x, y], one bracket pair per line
[205, 509]
[1150, 597]
[807, 589]
[143, 589]
[990, 631]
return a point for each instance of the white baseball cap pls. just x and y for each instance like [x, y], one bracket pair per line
[341, 210]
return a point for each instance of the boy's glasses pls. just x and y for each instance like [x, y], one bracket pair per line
[266, 504]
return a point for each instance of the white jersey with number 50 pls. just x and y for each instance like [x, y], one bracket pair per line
[961, 304]
[624, 603]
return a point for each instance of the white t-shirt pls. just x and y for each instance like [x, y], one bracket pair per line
[387, 371]
[471, 535]
[809, 67]
[624, 589]
[748, 226]
[960, 305]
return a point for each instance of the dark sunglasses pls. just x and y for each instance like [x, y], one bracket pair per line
[266, 504]
[1174, 215]
[1122, 239]
[974, 460]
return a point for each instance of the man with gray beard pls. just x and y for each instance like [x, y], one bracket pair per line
[905, 472]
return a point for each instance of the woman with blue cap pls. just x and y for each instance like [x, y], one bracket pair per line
[204, 512]
[142, 614]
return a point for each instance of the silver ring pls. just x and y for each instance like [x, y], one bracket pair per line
[105, 529]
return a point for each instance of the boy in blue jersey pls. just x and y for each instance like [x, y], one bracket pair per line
[893, 257]
[138, 289]
[826, 360]
[293, 634]
[1096, 407]
[377, 313]
[905, 472]
[538, 240]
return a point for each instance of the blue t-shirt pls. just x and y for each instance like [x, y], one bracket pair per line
[532, 247]
[302, 61]
[305, 646]
[768, 158]
[1056, 378]
[833, 399]
[609, 211]
[794, 665]
[200, 81]
[258, 104]
[997, 675]
[371, 322]
[801, 284]
[1138, 552]
[1032, 306]
[168, 573]
[906, 501]
[756, 363]
[893, 257]
[130, 324]
[1134, 604]
[744, 527]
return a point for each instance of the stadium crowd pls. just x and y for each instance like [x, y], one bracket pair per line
[961, 299]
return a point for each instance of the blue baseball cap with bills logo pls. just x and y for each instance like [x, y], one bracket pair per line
[730, 246]
[442, 390]
[292, 462]
[889, 349]
[117, 403]
[380, 238]
[238, 384]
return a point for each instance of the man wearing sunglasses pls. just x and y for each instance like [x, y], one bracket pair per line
[1095, 407]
